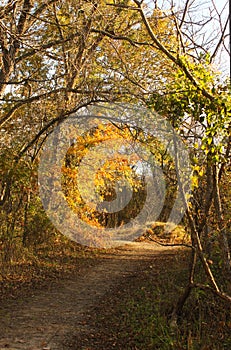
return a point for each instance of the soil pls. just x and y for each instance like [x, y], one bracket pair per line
[58, 315]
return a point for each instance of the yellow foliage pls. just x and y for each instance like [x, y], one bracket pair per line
[113, 170]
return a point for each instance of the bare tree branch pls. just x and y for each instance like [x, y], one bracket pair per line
[176, 60]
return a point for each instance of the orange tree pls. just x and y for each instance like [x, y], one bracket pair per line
[111, 176]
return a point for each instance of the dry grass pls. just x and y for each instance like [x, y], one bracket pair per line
[163, 233]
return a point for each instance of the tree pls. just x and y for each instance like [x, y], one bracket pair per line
[58, 58]
[197, 102]
[201, 98]
[113, 177]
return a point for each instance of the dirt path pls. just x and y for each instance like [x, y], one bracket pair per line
[43, 320]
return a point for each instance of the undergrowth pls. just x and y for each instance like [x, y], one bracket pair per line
[138, 316]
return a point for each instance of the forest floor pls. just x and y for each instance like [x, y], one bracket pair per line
[72, 311]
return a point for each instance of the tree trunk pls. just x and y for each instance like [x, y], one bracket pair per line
[177, 311]
[223, 241]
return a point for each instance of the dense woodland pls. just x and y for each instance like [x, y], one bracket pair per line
[59, 58]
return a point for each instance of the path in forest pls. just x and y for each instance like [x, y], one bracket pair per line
[43, 320]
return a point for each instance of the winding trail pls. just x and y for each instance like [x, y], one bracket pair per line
[43, 320]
